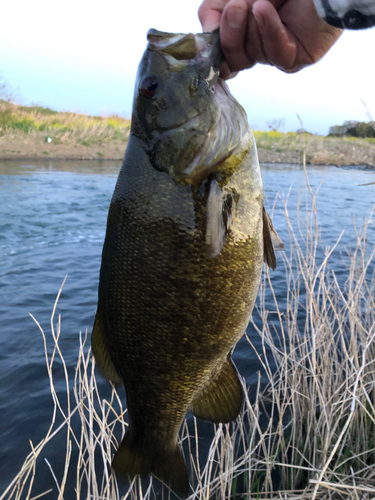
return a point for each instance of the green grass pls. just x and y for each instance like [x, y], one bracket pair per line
[293, 141]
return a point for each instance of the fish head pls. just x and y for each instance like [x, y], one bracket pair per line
[183, 112]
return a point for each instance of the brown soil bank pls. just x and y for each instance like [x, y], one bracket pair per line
[36, 132]
[288, 148]
[275, 147]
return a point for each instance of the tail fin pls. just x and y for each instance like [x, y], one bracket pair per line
[171, 468]
[134, 457]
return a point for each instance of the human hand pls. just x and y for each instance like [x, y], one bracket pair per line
[288, 34]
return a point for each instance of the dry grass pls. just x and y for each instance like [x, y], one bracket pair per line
[309, 434]
[36, 118]
[34, 131]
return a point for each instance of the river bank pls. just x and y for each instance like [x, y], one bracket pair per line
[288, 148]
[310, 346]
[35, 132]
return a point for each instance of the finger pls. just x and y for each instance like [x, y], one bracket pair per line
[225, 71]
[209, 15]
[279, 45]
[233, 35]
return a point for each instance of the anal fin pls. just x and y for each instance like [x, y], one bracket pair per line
[101, 354]
[221, 401]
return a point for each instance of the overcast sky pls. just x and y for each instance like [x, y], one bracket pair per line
[82, 56]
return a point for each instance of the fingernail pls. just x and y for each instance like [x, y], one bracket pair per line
[209, 26]
[235, 17]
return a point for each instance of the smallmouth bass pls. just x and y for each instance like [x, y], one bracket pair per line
[187, 234]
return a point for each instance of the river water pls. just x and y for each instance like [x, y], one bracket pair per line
[52, 225]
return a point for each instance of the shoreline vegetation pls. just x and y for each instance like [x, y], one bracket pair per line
[34, 132]
[309, 433]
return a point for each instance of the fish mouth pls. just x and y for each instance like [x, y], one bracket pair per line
[191, 149]
[202, 51]
[180, 49]
[193, 122]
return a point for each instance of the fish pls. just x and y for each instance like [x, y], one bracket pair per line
[187, 235]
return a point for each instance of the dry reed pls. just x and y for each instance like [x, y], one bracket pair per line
[309, 434]
[61, 127]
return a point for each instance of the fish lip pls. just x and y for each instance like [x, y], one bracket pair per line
[201, 46]
[180, 125]
[189, 120]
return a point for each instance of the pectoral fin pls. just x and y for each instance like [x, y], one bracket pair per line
[271, 241]
[220, 211]
[102, 357]
[221, 401]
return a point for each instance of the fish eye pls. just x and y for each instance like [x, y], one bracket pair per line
[149, 86]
